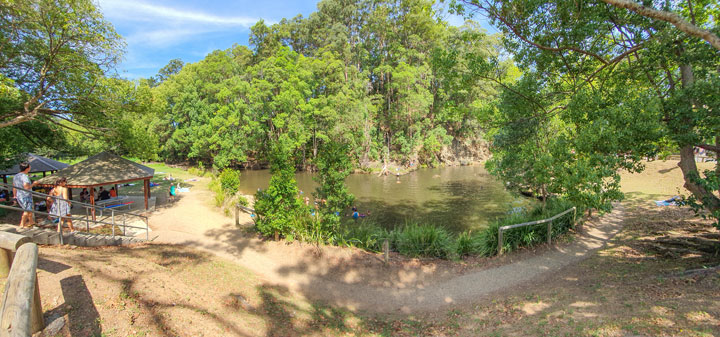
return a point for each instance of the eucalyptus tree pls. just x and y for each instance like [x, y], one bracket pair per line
[616, 69]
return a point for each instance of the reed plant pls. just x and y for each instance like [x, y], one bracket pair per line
[423, 240]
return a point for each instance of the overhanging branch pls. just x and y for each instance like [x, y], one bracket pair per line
[713, 148]
[672, 18]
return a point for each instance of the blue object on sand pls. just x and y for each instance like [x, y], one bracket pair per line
[669, 202]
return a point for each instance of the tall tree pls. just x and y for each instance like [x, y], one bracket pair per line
[56, 52]
[604, 63]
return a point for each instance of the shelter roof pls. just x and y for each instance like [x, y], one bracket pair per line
[103, 168]
[37, 164]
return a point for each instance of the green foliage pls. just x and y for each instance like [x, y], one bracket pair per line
[196, 171]
[477, 243]
[365, 235]
[427, 240]
[529, 235]
[333, 167]
[220, 195]
[326, 79]
[229, 181]
[56, 52]
[279, 209]
[608, 87]
[423, 240]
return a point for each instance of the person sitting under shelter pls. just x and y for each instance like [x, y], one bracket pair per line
[84, 195]
[104, 194]
[113, 192]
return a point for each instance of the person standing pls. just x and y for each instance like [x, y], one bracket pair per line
[61, 203]
[24, 198]
[173, 191]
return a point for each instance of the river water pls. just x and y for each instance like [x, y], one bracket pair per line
[459, 198]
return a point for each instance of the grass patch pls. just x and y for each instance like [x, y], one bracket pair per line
[417, 240]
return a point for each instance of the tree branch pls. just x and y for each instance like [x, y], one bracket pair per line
[539, 46]
[713, 148]
[672, 18]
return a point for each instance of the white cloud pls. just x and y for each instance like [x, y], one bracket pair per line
[162, 37]
[141, 11]
[152, 25]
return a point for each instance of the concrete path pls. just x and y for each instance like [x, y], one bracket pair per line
[346, 279]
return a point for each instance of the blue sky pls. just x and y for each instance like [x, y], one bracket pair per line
[157, 31]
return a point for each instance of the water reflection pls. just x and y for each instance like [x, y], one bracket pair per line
[460, 198]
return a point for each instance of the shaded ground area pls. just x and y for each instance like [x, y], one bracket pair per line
[358, 280]
[647, 281]
[626, 289]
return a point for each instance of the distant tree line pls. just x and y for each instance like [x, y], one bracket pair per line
[389, 78]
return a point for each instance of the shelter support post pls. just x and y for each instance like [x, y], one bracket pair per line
[92, 202]
[146, 189]
[43, 174]
[4, 179]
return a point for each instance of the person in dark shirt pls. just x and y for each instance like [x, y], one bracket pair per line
[104, 194]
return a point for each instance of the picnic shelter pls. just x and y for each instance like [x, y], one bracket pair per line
[100, 170]
[37, 163]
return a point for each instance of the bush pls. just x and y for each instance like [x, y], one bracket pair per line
[423, 240]
[366, 235]
[427, 240]
[467, 244]
[528, 235]
[279, 209]
[229, 181]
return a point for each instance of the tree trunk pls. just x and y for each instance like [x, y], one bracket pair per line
[687, 157]
[717, 159]
[689, 168]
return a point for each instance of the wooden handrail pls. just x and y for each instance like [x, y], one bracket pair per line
[12, 241]
[9, 243]
[21, 297]
[530, 223]
[245, 209]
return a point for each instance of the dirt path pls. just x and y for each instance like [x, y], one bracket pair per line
[358, 280]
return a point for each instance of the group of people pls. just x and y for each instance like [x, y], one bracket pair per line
[102, 195]
[58, 201]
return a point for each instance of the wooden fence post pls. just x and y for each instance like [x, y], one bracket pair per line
[36, 316]
[574, 215]
[5, 262]
[18, 298]
[9, 243]
[500, 241]
[237, 216]
[549, 233]
[386, 250]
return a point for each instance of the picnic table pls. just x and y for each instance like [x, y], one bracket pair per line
[115, 202]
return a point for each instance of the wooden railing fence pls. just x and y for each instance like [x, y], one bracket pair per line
[21, 313]
[549, 221]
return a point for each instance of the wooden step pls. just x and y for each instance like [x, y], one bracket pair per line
[46, 236]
